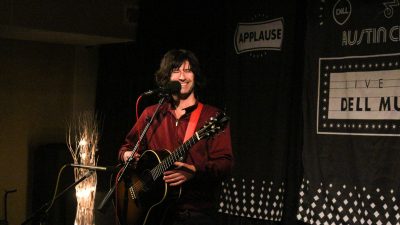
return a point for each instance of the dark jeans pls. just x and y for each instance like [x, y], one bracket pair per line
[187, 217]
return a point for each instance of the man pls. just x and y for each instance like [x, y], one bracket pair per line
[206, 163]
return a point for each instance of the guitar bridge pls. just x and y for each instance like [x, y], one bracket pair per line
[132, 193]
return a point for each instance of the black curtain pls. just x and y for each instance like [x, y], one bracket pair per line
[126, 70]
[264, 86]
[351, 147]
[262, 96]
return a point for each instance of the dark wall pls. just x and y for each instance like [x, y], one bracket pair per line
[47, 161]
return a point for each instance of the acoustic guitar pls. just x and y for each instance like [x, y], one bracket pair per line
[142, 196]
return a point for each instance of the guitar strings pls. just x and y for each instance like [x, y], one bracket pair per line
[167, 162]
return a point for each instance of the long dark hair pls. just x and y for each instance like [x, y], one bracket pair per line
[173, 59]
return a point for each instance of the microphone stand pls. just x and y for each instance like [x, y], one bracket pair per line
[112, 189]
[41, 213]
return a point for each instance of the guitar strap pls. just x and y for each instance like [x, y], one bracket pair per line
[194, 118]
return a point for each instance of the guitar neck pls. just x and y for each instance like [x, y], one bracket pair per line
[176, 155]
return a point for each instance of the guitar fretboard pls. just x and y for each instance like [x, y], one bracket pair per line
[176, 155]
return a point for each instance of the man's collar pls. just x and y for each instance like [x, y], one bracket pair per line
[188, 109]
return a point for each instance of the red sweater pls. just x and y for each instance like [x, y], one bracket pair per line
[212, 157]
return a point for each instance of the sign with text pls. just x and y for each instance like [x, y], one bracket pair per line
[256, 36]
[359, 95]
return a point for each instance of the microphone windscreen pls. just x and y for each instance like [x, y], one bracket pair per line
[174, 87]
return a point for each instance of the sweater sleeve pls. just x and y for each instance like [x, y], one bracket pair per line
[219, 161]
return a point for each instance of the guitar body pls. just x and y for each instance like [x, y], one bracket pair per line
[141, 200]
[142, 196]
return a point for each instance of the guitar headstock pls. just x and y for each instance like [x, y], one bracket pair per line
[213, 125]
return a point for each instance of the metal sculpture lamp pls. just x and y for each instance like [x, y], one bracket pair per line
[82, 142]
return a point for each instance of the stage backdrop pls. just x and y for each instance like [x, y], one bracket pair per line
[263, 72]
[351, 130]
[252, 56]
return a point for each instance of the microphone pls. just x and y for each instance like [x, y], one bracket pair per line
[101, 168]
[172, 87]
